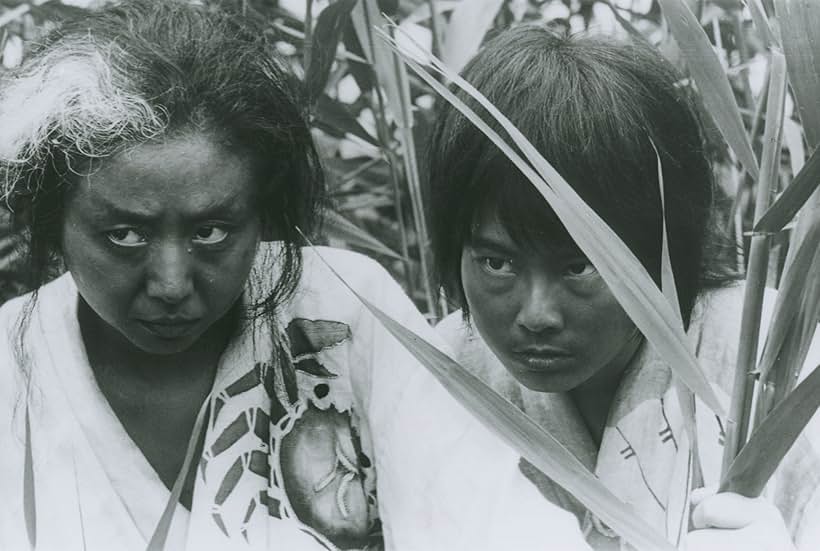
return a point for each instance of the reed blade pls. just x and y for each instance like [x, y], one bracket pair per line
[29, 500]
[793, 197]
[799, 21]
[760, 457]
[469, 23]
[711, 80]
[802, 272]
[337, 226]
[524, 435]
[740, 410]
[160, 535]
[622, 271]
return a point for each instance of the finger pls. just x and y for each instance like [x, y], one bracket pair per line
[730, 510]
[712, 540]
[699, 494]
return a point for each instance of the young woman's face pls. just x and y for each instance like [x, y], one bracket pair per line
[547, 315]
[160, 239]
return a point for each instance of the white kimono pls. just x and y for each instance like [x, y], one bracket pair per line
[644, 453]
[322, 433]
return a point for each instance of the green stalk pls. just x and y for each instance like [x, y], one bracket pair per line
[435, 28]
[745, 373]
[308, 48]
[743, 51]
[411, 168]
[383, 131]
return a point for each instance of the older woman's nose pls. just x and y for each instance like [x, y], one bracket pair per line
[170, 277]
[541, 308]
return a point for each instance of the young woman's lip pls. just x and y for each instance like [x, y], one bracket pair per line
[542, 352]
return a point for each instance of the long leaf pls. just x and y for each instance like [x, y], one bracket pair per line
[740, 410]
[798, 275]
[793, 197]
[326, 37]
[758, 13]
[523, 434]
[706, 70]
[334, 117]
[29, 503]
[621, 270]
[337, 226]
[752, 468]
[469, 23]
[160, 535]
[799, 22]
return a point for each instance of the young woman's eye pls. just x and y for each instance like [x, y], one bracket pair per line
[580, 268]
[495, 265]
[210, 235]
[126, 237]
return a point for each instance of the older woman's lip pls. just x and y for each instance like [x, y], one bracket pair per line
[169, 328]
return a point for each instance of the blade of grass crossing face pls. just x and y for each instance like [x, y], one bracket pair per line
[160, 535]
[523, 434]
[738, 423]
[685, 397]
[668, 285]
[621, 270]
[708, 74]
[769, 443]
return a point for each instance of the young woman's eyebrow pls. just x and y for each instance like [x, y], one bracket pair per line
[488, 243]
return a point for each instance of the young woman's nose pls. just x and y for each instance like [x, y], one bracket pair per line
[169, 272]
[540, 310]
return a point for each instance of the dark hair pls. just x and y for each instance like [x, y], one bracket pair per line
[151, 69]
[593, 107]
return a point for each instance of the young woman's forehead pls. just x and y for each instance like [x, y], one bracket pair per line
[490, 229]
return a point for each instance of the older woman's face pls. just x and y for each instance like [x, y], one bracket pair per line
[547, 314]
[160, 239]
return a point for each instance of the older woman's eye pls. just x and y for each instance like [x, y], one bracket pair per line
[126, 237]
[580, 268]
[495, 265]
[210, 235]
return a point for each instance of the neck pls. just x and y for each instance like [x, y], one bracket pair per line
[112, 355]
[594, 397]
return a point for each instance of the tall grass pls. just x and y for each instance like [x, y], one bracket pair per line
[370, 115]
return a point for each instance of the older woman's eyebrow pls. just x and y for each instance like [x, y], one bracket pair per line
[106, 209]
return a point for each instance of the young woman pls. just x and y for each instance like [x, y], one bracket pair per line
[537, 320]
[159, 150]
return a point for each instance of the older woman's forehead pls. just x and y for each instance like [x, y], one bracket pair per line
[192, 173]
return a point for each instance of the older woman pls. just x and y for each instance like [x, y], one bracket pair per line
[193, 356]
[542, 327]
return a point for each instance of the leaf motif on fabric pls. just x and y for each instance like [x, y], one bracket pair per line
[323, 472]
[311, 336]
[313, 367]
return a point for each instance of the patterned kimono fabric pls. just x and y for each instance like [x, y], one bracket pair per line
[646, 457]
[302, 416]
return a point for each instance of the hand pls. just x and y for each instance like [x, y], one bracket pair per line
[729, 521]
